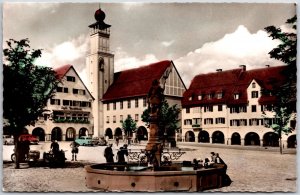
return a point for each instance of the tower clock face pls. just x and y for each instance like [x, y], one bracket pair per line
[101, 64]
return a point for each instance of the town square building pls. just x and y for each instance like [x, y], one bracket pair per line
[69, 112]
[227, 107]
[124, 93]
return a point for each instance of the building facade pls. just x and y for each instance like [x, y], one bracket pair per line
[128, 95]
[69, 112]
[228, 107]
[120, 94]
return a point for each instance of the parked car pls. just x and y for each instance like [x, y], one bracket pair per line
[85, 141]
[31, 138]
[8, 139]
[100, 141]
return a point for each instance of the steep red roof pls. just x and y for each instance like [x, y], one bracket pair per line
[230, 82]
[135, 82]
[62, 70]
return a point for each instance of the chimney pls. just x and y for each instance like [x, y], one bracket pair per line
[243, 67]
[267, 65]
[219, 70]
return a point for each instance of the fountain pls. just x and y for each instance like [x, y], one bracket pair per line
[154, 170]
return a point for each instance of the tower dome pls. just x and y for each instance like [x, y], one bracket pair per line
[99, 15]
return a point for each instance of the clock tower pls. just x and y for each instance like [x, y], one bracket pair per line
[100, 67]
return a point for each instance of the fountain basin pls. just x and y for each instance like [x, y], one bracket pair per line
[140, 178]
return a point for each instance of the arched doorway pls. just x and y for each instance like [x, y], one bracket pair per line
[292, 141]
[83, 132]
[252, 139]
[189, 136]
[108, 132]
[218, 137]
[203, 137]
[70, 134]
[40, 133]
[235, 139]
[271, 139]
[142, 133]
[118, 133]
[56, 134]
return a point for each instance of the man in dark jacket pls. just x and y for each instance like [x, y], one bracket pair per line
[108, 154]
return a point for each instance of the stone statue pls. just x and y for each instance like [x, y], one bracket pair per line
[155, 97]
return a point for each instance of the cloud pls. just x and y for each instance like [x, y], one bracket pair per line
[70, 52]
[123, 61]
[239, 47]
[167, 43]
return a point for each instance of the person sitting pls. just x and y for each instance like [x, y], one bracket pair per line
[54, 147]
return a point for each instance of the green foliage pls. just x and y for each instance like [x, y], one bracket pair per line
[27, 87]
[285, 94]
[129, 125]
[168, 118]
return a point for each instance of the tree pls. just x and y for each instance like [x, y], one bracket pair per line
[168, 119]
[129, 126]
[285, 94]
[26, 88]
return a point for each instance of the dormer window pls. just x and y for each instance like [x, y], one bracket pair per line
[190, 98]
[199, 97]
[210, 96]
[219, 95]
[236, 96]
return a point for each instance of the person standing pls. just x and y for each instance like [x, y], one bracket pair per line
[123, 151]
[108, 154]
[74, 145]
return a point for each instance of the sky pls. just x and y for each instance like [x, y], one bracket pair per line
[198, 37]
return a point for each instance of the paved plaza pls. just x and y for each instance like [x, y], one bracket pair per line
[254, 170]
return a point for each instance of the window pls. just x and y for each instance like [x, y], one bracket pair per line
[70, 78]
[220, 120]
[81, 91]
[66, 90]
[208, 108]
[144, 102]
[187, 122]
[128, 104]
[107, 119]
[76, 103]
[121, 105]
[243, 122]
[219, 95]
[59, 89]
[256, 121]
[121, 118]
[54, 101]
[254, 94]
[187, 110]
[114, 105]
[75, 91]
[210, 96]
[208, 121]
[107, 106]
[196, 121]
[253, 85]
[199, 97]
[236, 96]
[293, 124]
[136, 103]
[220, 108]
[114, 119]
[243, 108]
[253, 108]
[66, 102]
[136, 117]
[190, 98]
[235, 122]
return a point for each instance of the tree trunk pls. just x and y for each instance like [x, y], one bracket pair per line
[17, 151]
[280, 145]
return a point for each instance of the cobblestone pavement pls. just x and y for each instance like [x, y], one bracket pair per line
[254, 170]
